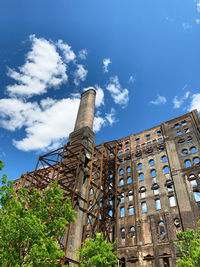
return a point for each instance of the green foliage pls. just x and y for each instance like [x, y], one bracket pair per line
[30, 223]
[98, 253]
[189, 248]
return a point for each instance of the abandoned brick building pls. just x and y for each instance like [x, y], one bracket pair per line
[141, 189]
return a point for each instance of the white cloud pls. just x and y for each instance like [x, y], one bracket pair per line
[68, 54]
[160, 100]
[186, 26]
[43, 68]
[131, 79]
[99, 96]
[119, 95]
[195, 103]
[80, 74]
[46, 125]
[197, 21]
[179, 101]
[82, 54]
[106, 62]
[99, 122]
[110, 117]
[198, 5]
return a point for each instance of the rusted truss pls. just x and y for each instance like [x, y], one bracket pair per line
[62, 165]
[103, 197]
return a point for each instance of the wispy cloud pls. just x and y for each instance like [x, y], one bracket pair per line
[99, 122]
[186, 26]
[195, 103]
[82, 54]
[106, 63]
[119, 95]
[160, 100]
[43, 69]
[132, 79]
[80, 74]
[198, 5]
[178, 102]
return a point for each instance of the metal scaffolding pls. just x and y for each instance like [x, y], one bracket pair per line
[64, 166]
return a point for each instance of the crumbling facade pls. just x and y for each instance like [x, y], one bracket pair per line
[141, 189]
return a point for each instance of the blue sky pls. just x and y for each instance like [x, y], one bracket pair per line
[142, 57]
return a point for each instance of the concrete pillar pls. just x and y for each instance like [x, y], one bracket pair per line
[85, 115]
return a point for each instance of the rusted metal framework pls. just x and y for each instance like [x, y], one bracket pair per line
[62, 165]
[103, 197]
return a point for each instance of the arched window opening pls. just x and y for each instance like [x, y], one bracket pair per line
[176, 126]
[189, 139]
[140, 166]
[120, 146]
[161, 148]
[138, 155]
[191, 176]
[130, 195]
[91, 191]
[187, 130]
[179, 133]
[127, 144]
[127, 150]
[138, 147]
[193, 150]
[129, 180]
[132, 228]
[164, 159]
[123, 229]
[141, 177]
[181, 141]
[122, 198]
[153, 173]
[197, 196]
[155, 189]
[166, 170]
[148, 136]
[120, 153]
[196, 160]
[184, 123]
[187, 163]
[128, 169]
[184, 152]
[151, 162]
[142, 192]
[150, 151]
[149, 143]
[161, 227]
[121, 172]
[158, 133]
[121, 182]
[137, 140]
[160, 139]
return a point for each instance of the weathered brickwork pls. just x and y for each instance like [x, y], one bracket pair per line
[159, 182]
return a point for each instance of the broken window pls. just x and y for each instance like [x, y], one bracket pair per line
[138, 147]
[158, 204]
[91, 191]
[121, 182]
[120, 153]
[122, 198]
[148, 136]
[179, 133]
[131, 210]
[128, 169]
[120, 146]
[158, 133]
[197, 196]
[184, 123]
[141, 176]
[184, 152]
[181, 141]
[151, 162]
[140, 166]
[193, 183]
[196, 160]
[150, 151]
[187, 163]
[130, 195]
[176, 126]
[139, 155]
[127, 144]
[155, 189]
[144, 207]
[129, 180]
[149, 143]
[142, 192]
[172, 201]
[161, 148]
[161, 227]
[153, 173]
[164, 159]
[121, 171]
[137, 140]
[160, 139]
[193, 150]
[122, 213]
[187, 130]
[166, 170]
[189, 139]
[127, 150]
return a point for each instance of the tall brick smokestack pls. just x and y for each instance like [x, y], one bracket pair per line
[85, 115]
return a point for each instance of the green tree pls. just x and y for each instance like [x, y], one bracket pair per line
[98, 253]
[30, 222]
[189, 248]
